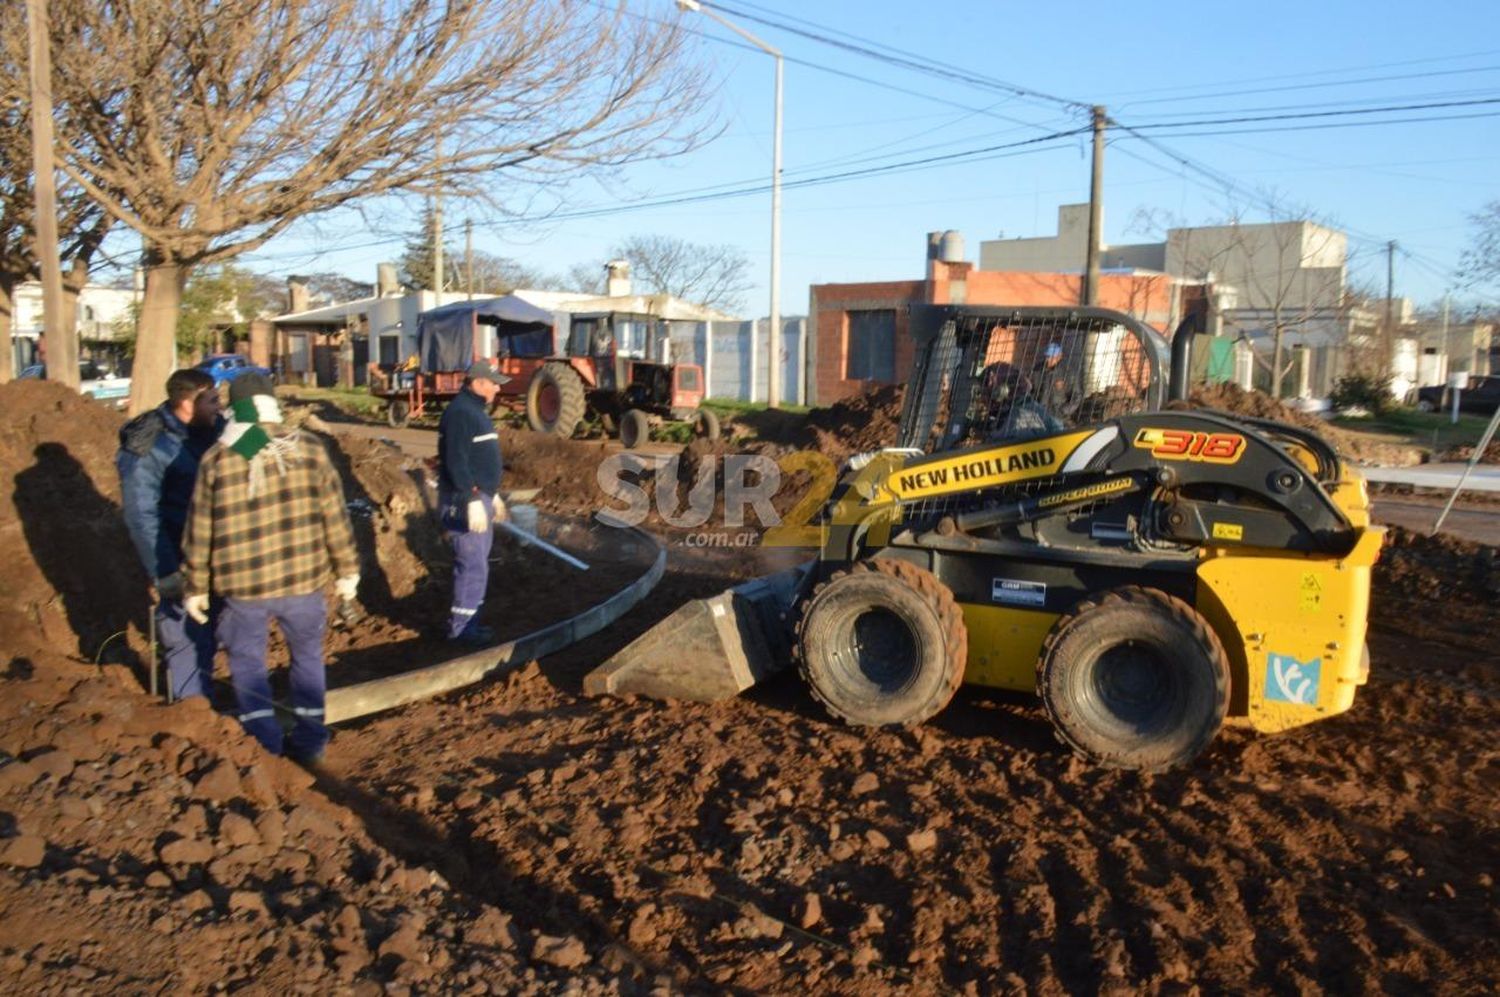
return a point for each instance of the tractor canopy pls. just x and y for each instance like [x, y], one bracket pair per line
[447, 337]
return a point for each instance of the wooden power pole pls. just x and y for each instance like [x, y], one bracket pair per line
[60, 344]
[1090, 288]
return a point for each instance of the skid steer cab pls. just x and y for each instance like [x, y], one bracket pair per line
[1056, 520]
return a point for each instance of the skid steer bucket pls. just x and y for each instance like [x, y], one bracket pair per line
[709, 649]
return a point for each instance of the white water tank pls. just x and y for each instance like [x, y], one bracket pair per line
[386, 283]
[951, 248]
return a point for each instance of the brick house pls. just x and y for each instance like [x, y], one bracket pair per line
[859, 335]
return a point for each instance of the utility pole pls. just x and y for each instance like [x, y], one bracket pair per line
[1090, 288]
[469, 254]
[437, 246]
[1389, 346]
[773, 360]
[61, 344]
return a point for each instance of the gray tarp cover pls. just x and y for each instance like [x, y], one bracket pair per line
[445, 336]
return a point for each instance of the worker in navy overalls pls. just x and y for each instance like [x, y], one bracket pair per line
[469, 467]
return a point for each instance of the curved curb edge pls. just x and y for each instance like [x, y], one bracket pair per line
[363, 698]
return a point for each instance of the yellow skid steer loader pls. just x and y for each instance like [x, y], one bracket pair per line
[1056, 519]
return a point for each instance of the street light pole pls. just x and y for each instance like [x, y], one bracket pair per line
[773, 358]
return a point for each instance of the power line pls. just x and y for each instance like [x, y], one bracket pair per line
[1318, 72]
[1313, 86]
[904, 60]
[1248, 119]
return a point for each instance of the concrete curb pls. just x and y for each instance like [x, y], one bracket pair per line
[364, 698]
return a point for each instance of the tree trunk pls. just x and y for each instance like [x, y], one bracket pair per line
[156, 342]
[73, 280]
[7, 323]
[1276, 354]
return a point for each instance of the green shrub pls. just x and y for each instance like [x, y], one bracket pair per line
[1371, 392]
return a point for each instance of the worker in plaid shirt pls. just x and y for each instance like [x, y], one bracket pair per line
[266, 530]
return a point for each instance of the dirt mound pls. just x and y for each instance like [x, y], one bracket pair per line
[1465, 453]
[864, 422]
[72, 576]
[1439, 587]
[389, 506]
[1234, 399]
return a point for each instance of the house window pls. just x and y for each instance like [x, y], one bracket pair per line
[871, 352]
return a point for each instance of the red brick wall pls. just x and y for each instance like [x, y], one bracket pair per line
[828, 318]
[1145, 297]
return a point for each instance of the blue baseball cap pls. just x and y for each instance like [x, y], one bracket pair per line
[1053, 351]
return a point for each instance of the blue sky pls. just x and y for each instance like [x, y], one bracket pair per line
[1152, 65]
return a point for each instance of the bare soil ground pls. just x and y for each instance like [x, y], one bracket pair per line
[521, 838]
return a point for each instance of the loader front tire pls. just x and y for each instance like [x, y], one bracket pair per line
[882, 642]
[1134, 678]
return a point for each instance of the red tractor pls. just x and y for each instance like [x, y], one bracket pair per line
[613, 366]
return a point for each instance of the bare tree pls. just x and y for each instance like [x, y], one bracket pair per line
[210, 128]
[712, 275]
[1479, 265]
[1283, 269]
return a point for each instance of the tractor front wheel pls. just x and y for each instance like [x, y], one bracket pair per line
[706, 425]
[635, 428]
[398, 414]
[555, 400]
[1134, 678]
[882, 642]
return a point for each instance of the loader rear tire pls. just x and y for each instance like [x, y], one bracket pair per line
[882, 642]
[1134, 678]
[555, 401]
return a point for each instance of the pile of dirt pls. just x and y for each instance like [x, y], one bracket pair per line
[390, 507]
[1441, 587]
[863, 422]
[1465, 453]
[72, 577]
[1232, 398]
[147, 849]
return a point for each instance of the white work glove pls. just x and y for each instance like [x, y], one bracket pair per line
[196, 606]
[501, 512]
[478, 521]
[169, 587]
[346, 588]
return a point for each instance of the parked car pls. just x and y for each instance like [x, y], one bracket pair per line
[1481, 397]
[228, 366]
[95, 382]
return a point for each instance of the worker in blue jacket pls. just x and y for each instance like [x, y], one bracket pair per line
[469, 466]
[158, 465]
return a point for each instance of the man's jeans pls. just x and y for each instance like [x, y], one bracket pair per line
[244, 625]
[187, 647]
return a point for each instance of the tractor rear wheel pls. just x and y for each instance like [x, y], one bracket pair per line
[555, 400]
[882, 642]
[398, 414]
[635, 428]
[1134, 678]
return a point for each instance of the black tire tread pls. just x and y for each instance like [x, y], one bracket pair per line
[1129, 595]
[572, 403]
[926, 584]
